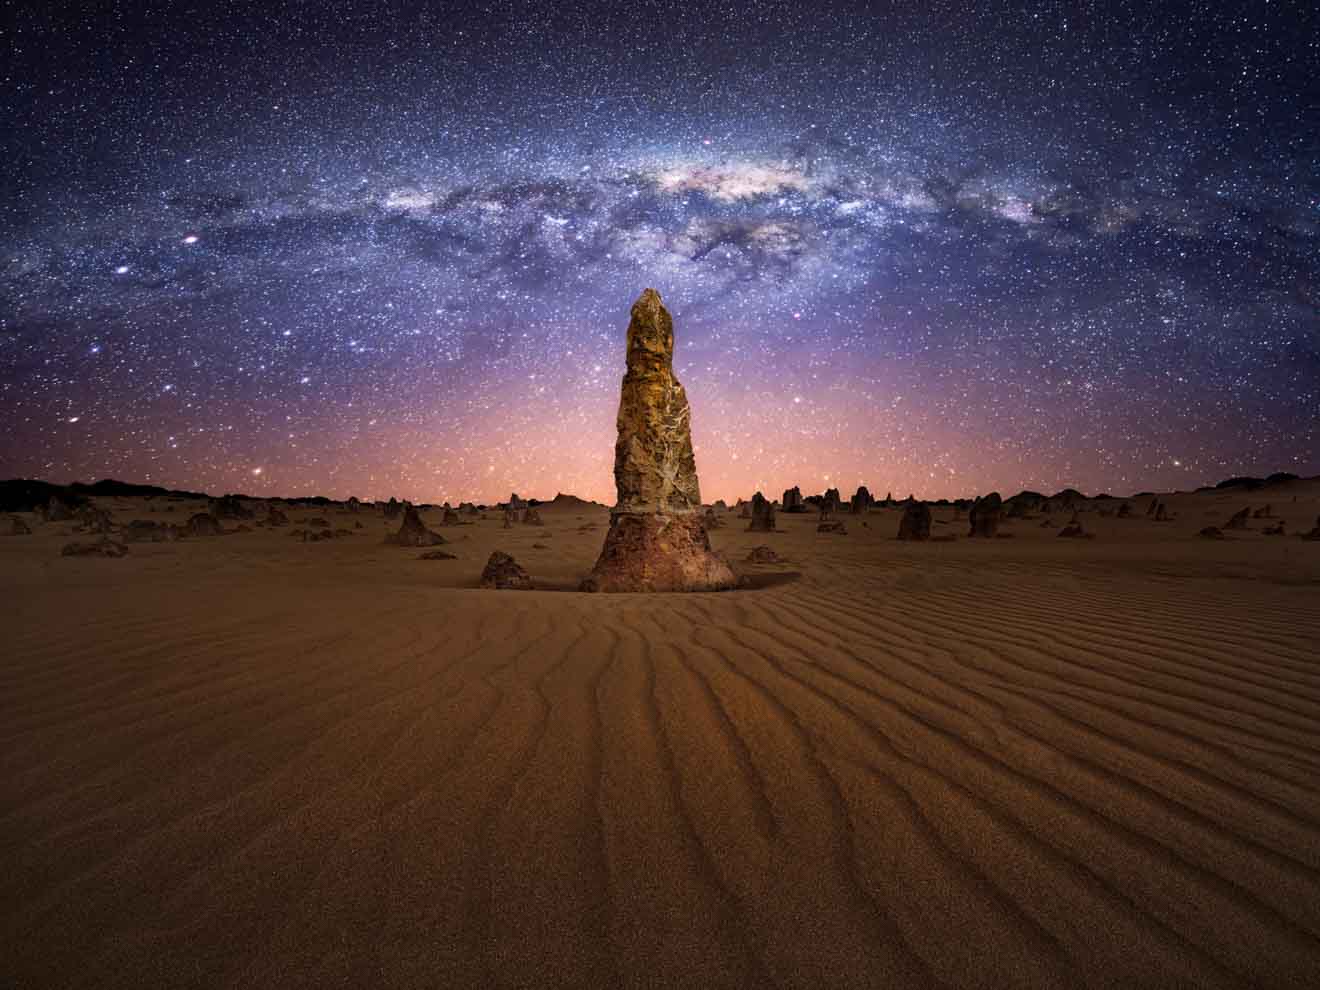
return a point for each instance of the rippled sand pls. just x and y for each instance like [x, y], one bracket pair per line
[251, 761]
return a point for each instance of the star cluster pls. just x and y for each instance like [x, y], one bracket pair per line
[389, 249]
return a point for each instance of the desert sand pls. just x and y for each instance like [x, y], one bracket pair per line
[252, 761]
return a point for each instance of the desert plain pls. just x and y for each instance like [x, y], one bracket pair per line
[250, 760]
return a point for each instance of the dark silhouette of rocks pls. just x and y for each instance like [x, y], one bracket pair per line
[761, 514]
[1024, 504]
[515, 503]
[1264, 512]
[229, 507]
[354, 504]
[59, 510]
[984, 516]
[17, 527]
[1154, 505]
[393, 508]
[1239, 519]
[1124, 511]
[763, 555]
[468, 509]
[1212, 533]
[792, 500]
[657, 539]
[202, 524]
[832, 526]
[713, 518]
[744, 509]
[92, 519]
[274, 517]
[1162, 513]
[1074, 530]
[532, 517]
[510, 517]
[503, 573]
[104, 547]
[916, 520]
[861, 501]
[413, 532]
[450, 518]
[1315, 533]
[832, 501]
[436, 555]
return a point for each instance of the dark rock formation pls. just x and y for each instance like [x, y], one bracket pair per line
[713, 519]
[102, 548]
[1212, 533]
[832, 501]
[763, 555]
[436, 555]
[229, 507]
[274, 517]
[202, 524]
[762, 515]
[92, 519]
[354, 505]
[1315, 533]
[413, 532]
[861, 501]
[1074, 529]
[1124, 511]
[59, 510]
[510, 517]
[17, 527]
[502, 572]
[1162, 514]
[450, 518]
[832, 526]
[393, 508]
[915, 524]
[792, 500]
[984, 516]
[1264, 512]
[657, 539]
[1239, 519]
[532, 518]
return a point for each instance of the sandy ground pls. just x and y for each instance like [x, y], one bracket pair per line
[250, 761]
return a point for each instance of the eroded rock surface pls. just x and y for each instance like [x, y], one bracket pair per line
[657, 539]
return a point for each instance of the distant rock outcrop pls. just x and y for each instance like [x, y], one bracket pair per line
[657, 539]
[532, 518]
[984, 516]
[832, 501]
[202, 524]
[230, 507]
[792, 500]
[503, 573]
[413, 532]
[450, 518]
[59, 510]
[1239, 519]
[915, 524]
[1124, 511]
[102, 548]
[393, 508]
[274, 517]
[762, 515]
[861, 501]
[1074, 530]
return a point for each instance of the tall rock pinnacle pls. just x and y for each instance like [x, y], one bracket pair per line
[657, 539]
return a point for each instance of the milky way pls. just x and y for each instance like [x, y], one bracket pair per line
[392, 252]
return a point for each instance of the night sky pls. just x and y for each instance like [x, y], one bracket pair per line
[390, 249]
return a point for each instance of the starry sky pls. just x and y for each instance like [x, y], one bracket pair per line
[390, 248]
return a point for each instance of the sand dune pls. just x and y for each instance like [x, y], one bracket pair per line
[252, 761]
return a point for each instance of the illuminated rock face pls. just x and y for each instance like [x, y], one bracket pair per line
[657, 539]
